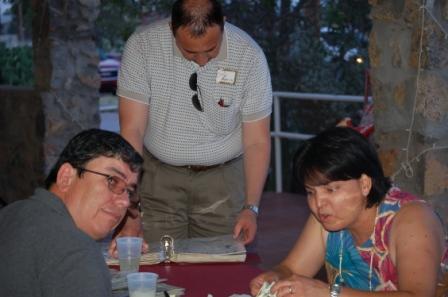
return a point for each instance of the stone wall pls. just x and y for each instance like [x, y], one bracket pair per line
[409, 60]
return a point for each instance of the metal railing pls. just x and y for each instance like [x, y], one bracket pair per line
[278, 134]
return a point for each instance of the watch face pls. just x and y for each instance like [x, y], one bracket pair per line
[251, 207]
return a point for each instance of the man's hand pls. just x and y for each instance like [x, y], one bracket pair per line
[246, 226]
[130, 226]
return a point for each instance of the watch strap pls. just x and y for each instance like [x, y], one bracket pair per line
[251, 207]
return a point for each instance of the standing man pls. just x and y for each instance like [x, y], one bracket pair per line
[195, 100]
[48, 242]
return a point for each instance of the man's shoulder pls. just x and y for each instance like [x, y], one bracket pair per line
[151, 37]
[43, 214]
[238, 37]
[22, 209]
[161, 26]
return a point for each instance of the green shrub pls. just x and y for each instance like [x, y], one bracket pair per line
[16, 66]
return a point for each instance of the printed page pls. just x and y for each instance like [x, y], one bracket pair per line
[209, 249]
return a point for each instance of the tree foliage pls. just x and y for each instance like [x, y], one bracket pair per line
[17, 63]
[119, 18]
[17, 66]
[23, 16]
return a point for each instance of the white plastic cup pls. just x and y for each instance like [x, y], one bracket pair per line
[142, 284]
[129, 252]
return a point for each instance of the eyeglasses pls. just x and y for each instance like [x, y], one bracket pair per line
[116, 185]
[194, 86]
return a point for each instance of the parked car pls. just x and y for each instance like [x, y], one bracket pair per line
[108, 69]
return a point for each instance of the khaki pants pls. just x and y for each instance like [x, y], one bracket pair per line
[180, 202]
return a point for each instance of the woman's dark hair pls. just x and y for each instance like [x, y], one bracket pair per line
[340, 154]
[91, 144]
[198, 18]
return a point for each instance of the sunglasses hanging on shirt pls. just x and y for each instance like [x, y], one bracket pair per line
[194, 86]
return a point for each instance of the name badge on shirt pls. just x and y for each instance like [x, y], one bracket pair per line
[226, 77]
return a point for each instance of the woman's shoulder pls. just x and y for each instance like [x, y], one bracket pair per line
[418, 209]
[408, 204]
[417, 217]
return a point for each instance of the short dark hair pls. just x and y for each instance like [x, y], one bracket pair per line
[91, 144]
[198, 18]
[340, 154]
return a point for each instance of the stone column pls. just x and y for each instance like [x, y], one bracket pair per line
[67, 76]
[409, 61]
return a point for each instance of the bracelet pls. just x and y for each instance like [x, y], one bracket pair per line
[335, 290]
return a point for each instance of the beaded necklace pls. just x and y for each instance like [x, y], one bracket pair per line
[341, 248]
[341, 277]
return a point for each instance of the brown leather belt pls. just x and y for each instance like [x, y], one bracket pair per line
[199, 168]
[196, 168]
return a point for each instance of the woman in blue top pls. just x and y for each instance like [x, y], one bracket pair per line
[374, 239]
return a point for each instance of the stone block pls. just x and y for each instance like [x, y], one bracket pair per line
[436, 174]
[389, 160]
[440, 205]
[432, 101]
[437, 44]
[374, 51]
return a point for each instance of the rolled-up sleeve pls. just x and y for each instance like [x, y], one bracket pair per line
[133, 79]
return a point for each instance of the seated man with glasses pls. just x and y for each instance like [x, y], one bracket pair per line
[195, 99]
[48, 242]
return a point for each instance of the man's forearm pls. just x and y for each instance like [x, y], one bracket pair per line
[134, 138]
[256, 165]
[133, 122]
[257, 152]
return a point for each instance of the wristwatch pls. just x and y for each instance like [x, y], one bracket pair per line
[251, 207]
[335, 289]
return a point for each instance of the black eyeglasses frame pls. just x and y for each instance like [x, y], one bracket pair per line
[111, 179]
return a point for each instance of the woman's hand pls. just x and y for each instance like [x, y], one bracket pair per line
[257, 282]
[300, 286]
